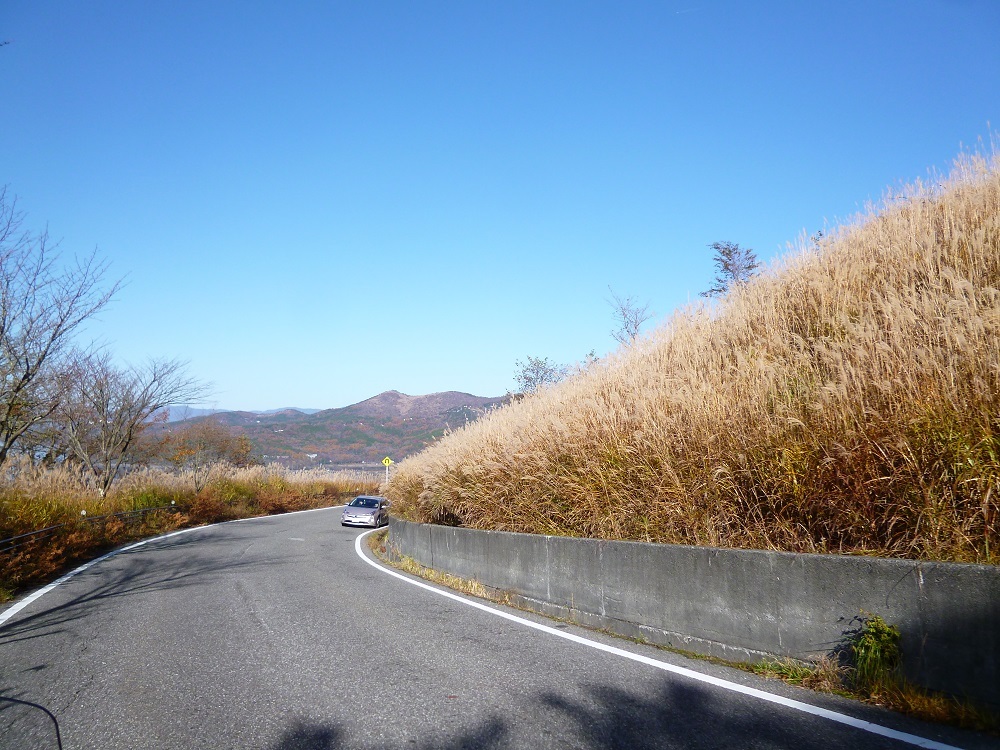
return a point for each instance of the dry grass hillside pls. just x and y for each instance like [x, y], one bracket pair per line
[846, 400]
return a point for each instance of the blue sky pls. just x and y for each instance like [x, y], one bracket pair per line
[313, 202]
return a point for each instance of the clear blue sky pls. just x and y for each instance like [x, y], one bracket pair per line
[313, 202]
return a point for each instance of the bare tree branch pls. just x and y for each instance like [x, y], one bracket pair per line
[537, 372]
[41, 305]
[629, 317]
[108, 408]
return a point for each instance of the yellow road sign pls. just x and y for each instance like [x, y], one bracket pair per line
[386, 461]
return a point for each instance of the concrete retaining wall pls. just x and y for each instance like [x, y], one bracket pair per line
[739, 604]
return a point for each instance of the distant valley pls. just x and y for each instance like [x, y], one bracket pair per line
[358, 436]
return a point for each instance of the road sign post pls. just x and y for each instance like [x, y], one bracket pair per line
[388, 462]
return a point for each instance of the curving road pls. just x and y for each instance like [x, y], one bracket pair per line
[274, 633]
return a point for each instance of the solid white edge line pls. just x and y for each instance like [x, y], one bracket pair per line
[807, 708]
[15, 608]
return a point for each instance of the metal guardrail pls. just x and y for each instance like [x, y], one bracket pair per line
[12, 543]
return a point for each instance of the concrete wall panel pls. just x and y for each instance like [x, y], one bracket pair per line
[739, 604]
[514, 563]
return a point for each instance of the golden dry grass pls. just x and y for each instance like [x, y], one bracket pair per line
[846, 400]
[33, 498]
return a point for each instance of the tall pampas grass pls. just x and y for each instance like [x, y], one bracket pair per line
[845, 400]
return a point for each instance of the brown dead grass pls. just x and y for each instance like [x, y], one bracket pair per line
[846, 400]
[33, 498]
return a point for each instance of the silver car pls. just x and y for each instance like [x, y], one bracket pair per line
[366, 510]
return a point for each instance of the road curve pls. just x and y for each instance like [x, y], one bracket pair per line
[273, 633]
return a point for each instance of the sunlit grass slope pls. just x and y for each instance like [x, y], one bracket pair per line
[34, 498]
[846, 400]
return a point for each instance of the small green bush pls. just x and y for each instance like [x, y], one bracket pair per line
[877, 657]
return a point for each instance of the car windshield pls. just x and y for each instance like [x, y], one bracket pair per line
[364, 502]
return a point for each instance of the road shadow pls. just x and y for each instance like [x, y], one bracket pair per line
[600, 717]
[26, 725]
[132, 573]
[685, 714]
[303, 735]
[673, 715]
[665, 714]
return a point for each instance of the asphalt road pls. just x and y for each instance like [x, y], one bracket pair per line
[273, 633]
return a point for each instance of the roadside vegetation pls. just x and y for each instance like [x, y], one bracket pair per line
[33, 498]
[81, 469]
[845, 399]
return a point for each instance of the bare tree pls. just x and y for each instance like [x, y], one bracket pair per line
[108, 408]
[46, 440]
[629, 317]
[537, 372]
[733, 265]
[42, 304]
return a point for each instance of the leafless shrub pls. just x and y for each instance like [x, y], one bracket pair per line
[107, 408]
[734, 265]
[43, 302]
[629, 317]
[535, 373]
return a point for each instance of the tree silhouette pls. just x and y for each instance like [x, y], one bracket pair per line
[734, 265]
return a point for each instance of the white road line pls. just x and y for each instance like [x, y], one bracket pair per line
[11, 611]
[807, 708]
[14, 609]
[866, 726]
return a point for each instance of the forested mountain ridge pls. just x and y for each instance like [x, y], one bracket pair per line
[390, 424]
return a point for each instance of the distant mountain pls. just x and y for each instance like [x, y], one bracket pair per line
[178, 413]
[390, 424]
[393, 404]
[289, 408]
